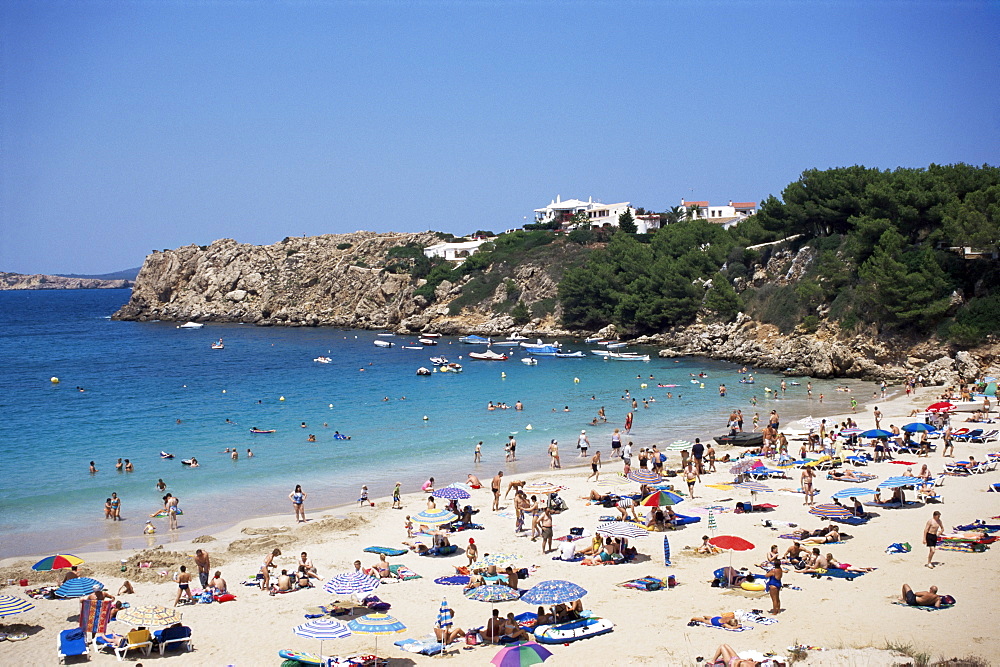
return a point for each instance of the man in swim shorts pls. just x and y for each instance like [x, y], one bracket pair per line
[545, 527]
[203, 562]
[932, 532]
[495, 487]
[183, 579]
[923, 598]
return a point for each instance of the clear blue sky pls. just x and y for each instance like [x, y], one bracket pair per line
[129, 126]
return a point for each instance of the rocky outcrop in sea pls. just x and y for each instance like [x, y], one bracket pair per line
[22, 281]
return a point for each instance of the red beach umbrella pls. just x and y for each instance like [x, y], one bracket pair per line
[943, 406]
[731, 543]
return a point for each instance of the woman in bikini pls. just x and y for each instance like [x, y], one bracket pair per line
[298, 498]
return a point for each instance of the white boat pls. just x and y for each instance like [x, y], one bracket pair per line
[383, 343]
[517, 336]
[218, 345]
[413, 347]
[543, 350]
[473, 339]
[571, 355]
[506, 343]
[529, 361]
[423, 371]
[439, 361]
[427, 341]
[322, 360]
[592, 339]
[600, 353]
[615, 346]
[389, 333]
[539, 344]
[190, 325]
[627, 356]
[431, 335]
[488, 355]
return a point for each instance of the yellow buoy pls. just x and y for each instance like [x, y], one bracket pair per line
[281, 398]
[54, 380]
[528, 427]
[425, 417]
[702, 385]
[643, 385]
[576, 380]
[503, 375]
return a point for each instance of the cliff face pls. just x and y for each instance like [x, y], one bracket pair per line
[18, 281]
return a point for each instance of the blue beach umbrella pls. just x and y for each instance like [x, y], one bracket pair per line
[79, 587]
[451, 493]
[553, 591]
[755, 487]
[492, 593]
[918, 427]
[444, 615]
[10, 605]
[850, 431]
[877, 433]
[854, 492]
[350, 583]
[902, 480]
[831, 511]
[376, 624]
[323, 629]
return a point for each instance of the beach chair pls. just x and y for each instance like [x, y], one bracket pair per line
[176, 636]
[984, 437]
[95, 616]
[135, 640]
[72, 642]
[969, 436]
[959, 433]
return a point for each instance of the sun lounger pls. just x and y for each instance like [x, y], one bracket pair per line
[140, 640]
[178, 636]
[857, 478]
[72, 642]
[984, 437]
[969, 436]
[95, 616]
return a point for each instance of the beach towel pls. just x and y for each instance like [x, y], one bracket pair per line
[575, 559]
[455, 580]
[835, 573]
[923, 607]
[400, 571]
[388, 551]
[966, 547]
[423, 646]
[790, 536]
[645, 584]
[742, 628]
[753, 617]
[568, 538]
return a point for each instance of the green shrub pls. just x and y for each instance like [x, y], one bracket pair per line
[778, 305]
[344, 246]
[520, 314]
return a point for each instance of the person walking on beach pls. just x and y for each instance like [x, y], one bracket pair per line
[203, 562]
[616, 443]
[553, 454]
[265, 569]
[949, 446]
[595, 466]
[583, 444]
[690, 476]
[298, 498]
[397, 502]
[807, 484]
[698, 452]
[171, 504]
[495, 488]
[932, 533]
[878, 417]
[545, 527]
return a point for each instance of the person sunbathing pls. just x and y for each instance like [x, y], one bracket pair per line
[543, 618]
[726, 656]
[657, 521]
[820, 564]
[593, 548]
[449, 633]
[847, 474]
[382, 567]
[512, 630]
[830, 538]
[793, 553]
[706, 547]
[596, 496]
[726, 620]
[837, 565]
[925, 598]
[283, 584]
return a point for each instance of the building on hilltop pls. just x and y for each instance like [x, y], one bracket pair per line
[454, 251]
[598, 214]
[727, 216]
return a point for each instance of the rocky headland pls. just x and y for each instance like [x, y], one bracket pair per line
[22, 281]
[342, 280]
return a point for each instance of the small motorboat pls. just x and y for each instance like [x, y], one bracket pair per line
[517, 336]
[450, 368]
[564, 633]
[424, 371]
[615, 346]
[571, 355]
[543, 350]
[383, 343]
[474, 340]
[592, 339]
[627, 356]
[538, 344]
[190, 325]
[488, 355]
[439, 361]
[427, 341]
[413, 347]
[431, 335]
[743, 439]
[529, 361]
[260, 430]
[219, 345]
[322, 360]
[506, 343]
[386, 333]
[166, 455]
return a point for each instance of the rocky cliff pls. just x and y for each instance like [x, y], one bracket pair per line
[19, 281]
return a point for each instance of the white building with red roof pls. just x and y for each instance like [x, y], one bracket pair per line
[727, 215]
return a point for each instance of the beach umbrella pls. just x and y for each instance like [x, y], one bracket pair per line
[57, 562]
[831, 511]
[460, 485]
[10, 605]
[943, 406]
[678, 446]
[502, 559]
[640, 476]
[433, 518]
[375, 624]
[79, 587]
[850, 431]
[918, 427]
[492, 593]
[350, 583]
[148, 614]
[624, 529]
[521, 654]
[711, 521]
[877, 433]
[854, 492]
[323, 629]
[753, 487]
[810, 423]
[731, 543]
[553, 591]
[445, 615]
[743, 465]
[540, 488]
[900, 480]
[661, 499]
[451, 493]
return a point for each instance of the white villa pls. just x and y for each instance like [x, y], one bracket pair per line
[454, 251]
[727, 216]
[598, 214]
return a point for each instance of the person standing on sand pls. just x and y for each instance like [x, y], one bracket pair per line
[932, 533]
[690, 476]
[397, 502]
[183, 579]
[203, 562]
[949, 446]
[553, 452]
[298, 498]
[595, 466]
[495, 488]
[773, 586]
[807, 484]
[616, 443]
[545, 526]
[583, 444]
[265, 569]
[878, 417]
[854, 404]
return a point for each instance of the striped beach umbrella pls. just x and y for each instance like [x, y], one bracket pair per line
[433, 518]
[661, 499]
[898, 481]
[502, 559]
[847, 432]
[460, 485]
[711, 520]
[445, 616]
[854, 492]
[810, 423]
[375, 624]
[678, 446]
[542, 488]
[10, 605]
[753, 487]
[350, 583]
[79, 587]
[666, 551]
[521, 654]
[831, 511]
[492, 593]
[553, 591]
[624, 529]
[743, 465]
[57, 562]
[142, 615]
[640, 476]
[451, 493]
[323, 629]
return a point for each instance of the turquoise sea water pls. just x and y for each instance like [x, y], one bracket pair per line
[140, 378]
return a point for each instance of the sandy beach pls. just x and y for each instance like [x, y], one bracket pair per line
[851, 620]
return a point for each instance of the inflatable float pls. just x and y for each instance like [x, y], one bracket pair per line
[163, 513]
[301, 657]
[257, 430]
[572, 631]
[165, 455]
[755, 585]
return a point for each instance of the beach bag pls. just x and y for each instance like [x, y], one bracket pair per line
[576, 531]
[472, 639]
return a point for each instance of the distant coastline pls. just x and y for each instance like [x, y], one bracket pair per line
[38, 281]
